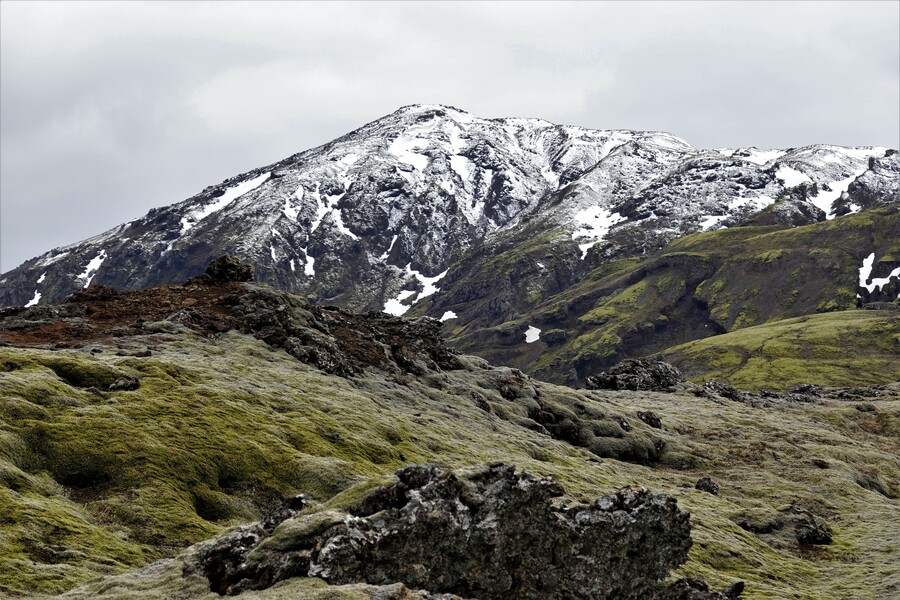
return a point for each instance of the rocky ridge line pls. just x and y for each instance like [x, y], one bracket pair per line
[225, 298]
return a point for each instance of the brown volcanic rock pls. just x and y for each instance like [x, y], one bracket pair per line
[329, 338]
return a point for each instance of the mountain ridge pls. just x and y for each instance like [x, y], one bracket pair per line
[378, 218]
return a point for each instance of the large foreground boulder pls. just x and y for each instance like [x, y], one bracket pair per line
[491, 534]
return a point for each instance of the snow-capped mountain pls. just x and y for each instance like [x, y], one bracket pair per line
[374, 219]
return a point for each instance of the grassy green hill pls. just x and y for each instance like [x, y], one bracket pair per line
[847, 348]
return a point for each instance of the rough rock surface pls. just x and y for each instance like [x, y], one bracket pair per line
[879, 184]
[327, 338]
[692, 589]
[791, 525]
[490, 534]
[706, 484]
[792, 210]
[650, 418]
[379, 211]
[637, 374]
[228, 268]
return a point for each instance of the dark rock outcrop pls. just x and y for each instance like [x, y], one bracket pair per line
[228, 268]
[809, 529]
[791, 525]
[331, 339]
[650, 418]
[637, 374]
[714, 388]
[792, 210]
[706, 484]
[878, 185]
[491, 534]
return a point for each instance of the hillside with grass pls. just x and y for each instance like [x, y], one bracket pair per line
[845, 348]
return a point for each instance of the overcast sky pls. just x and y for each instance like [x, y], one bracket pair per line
[109, 109]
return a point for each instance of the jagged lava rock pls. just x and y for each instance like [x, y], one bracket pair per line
[487, 534]
[228, 268]
[637, 374]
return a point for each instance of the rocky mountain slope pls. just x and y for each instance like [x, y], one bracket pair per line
[478, 220]
[134, 424]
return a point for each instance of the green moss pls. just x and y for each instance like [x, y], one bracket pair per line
[835, 349]
[220, 429]
[727, 280]
[84, 375]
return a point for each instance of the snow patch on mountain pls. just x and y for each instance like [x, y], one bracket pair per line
[447, 316]
[456, 139]
[757, 202]
[230, 195]
[404, 148]
[532, 335]
[384, 256]
[791, 177]
[862, 152]
[428, 287]
[757, 156]
[322, 208]
[50, 259]
[35, 300]
[395, 306]
[865, 271]
[42, 277]
[825, 198]
[338, 219]
[290, 211]
[595, 222]
[91, 269]
[463, 167]
[710, 222]
[309, 267]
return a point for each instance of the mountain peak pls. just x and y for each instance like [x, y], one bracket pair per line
[375, 218]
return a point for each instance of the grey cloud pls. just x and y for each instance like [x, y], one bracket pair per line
[109, 109]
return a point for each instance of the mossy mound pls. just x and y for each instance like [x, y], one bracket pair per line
[94, 483]
[841, 349]
[218, 431]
